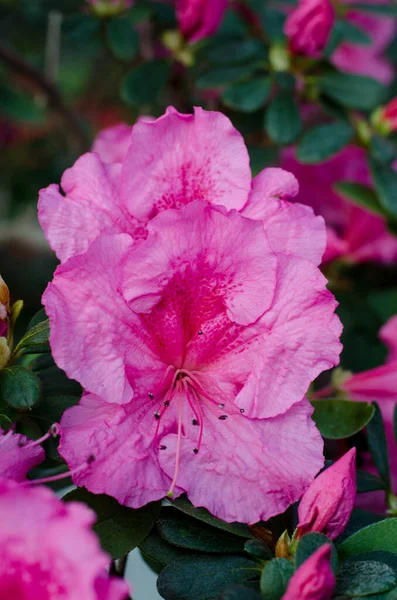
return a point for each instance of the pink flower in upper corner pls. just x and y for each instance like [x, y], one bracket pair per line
[380, 385]
[314, 579]
[368, 59]
[132, 175]
[353, 233]
[199, 19]
[176, 339]
[48, 550]
[327, 504]
[18, 455]
[308, 27]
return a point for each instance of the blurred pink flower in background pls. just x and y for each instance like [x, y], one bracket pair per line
[308, 27]
[353, 233]
[48, 550]
[199, 19]
[367, 59]
[18, 455]
[327, 504]
[314, 579]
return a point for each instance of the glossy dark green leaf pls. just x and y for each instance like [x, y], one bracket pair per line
[199, 577]
[382, 149]
[226, 50]
[377, 442]
[19, 106]
[353, 91]
[5, 422]
[158, 550]
[272, 22]
[144, 83]
[378, 9]
[248, 96]
[311, 542]
[385, 181]
[366, 482]
[220, 76]
[358, 520]
[360, 194]
[202, 514]
[352, 33]
[35, 340]
[275, 577]
[258, 549]
[282, 120]
[384, 302]
[320, 143]
[362, 578]
[239, 592]
[379, 536]
[39, 317]
[19, 388]
[338, 419]
[120, 529]
[122, 38]
[181, 530]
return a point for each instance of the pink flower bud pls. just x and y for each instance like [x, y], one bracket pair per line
[327, 504]
[314, 579]
[199, 18]
[390, 114]
[308, 27]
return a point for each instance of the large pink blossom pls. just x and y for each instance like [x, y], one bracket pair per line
[314, 579]
[327, 505]
[309, 25]
[132, 175]
[353, 233]
[380, 385]
[368, 59]
[18, 455]
[47, 549]
[197, 346]
[199, 19]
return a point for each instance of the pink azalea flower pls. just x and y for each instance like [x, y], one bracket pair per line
[48, 550]
[199, 19]
[176, 339]
[122, 188]
[18, 455]
[327, 504]
[314, 579]
[353, 233]
[368, 60]
[308, 27]
[380, 384]
[390, 114]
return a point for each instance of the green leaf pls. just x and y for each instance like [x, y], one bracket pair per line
[379, 536]
[53, 380]
[358, 520]
[388, 10]
[353, 91]
[20, 107]
[224, 50]
[384, 303]
[273, 23]
[39, 317]
[338, 419]
[51, 408]
[200, 577]
[202, 514]
[275, 577]
[311, 542]
[366, 482]
[362, 578]
[239, 592]
[120, 529]
[217, 77]
[248, 96]
[184, 531]
[385, 181]
[351, 33]
[157, 549]
[143, 84]
[36, 340]
[362, 195]
[5, 422]
[122, 38]
[382, 149]
[319, 143]
[376, 438]
[282, 120]
[258, 549]
[19, 388]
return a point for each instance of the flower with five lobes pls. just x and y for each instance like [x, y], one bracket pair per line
[308, 27]
[327, 504]
[314, 579]
[199, 19]
[196, 341]
[48, 550]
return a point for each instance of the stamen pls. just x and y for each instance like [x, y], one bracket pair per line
[162, 447]
[157, 415]
[242, 410]
[200, 332]
[195, 422]
[166, 403]
[195, 450]
[60, 476]
[221, 405]
[178, 444]
[53, 431]
[151, 395]
[222, 417]
[199, 416]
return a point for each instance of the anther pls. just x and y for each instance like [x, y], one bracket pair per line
[55, 430]
[221, 405]
[195, 450]
[222, 417]
[90, 459]
[162, 447]
[195, 422]
[242, 410]
[200, 332]
[167, 403]
[151, 395]
[157, 415]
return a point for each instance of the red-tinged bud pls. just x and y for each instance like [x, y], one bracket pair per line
[314, 580]
[308, 27]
